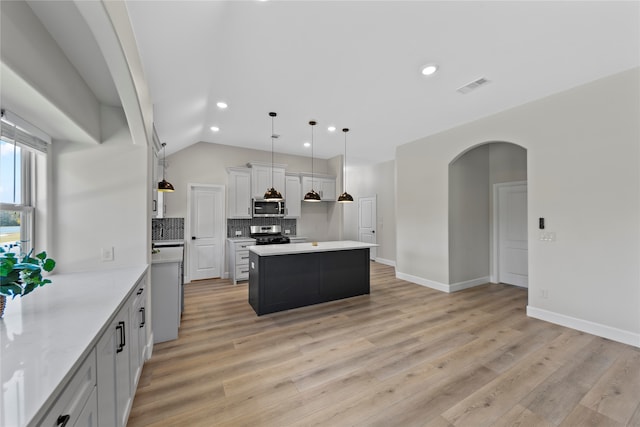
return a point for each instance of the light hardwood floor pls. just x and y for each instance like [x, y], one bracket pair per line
[405, 355]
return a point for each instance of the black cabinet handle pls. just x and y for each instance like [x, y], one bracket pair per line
[144, 317]
[193, 237]
[141, 290]
[63, 420]
[119, 329]
[123, 337]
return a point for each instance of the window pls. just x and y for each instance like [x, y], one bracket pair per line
[21, 155]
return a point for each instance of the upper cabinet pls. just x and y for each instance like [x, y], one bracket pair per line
[239, 193]
[261, 178]
[293, 196]
[324, 185]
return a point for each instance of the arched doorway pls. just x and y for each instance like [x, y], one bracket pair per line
[473, 255]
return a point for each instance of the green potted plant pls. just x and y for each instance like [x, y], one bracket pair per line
[22, 274]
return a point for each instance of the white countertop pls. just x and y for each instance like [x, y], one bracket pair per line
[307, 247]
[170, 254]
[47, 334]
[241, 239]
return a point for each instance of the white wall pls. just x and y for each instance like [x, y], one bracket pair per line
[206, 163]
[375, 180]
[98, 194]
[100, 198]
[38, 81]
[469, 216]
[471, 180]
[583, 174]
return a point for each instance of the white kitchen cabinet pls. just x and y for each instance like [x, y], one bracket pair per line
[239, 193]
[292, 195]
[325, 186]
[239, 258]
[120, 356]
[77, 404]
[114, 371]
[138, 332]
[261, 178]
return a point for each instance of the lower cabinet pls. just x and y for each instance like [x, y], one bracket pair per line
[120, 354]
[77, 404]
[101, 391]
[114, 378]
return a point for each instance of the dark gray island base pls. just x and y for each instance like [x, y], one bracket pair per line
[280, 282]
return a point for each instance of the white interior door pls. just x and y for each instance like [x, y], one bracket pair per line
[512, 234]
[367, 222]
[207, 231]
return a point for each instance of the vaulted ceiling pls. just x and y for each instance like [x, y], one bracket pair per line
[356, 64]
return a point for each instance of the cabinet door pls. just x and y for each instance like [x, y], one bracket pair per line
[69, 406]
[308, 184]
[292, 196]
[137, 341]
[89, 415]
[113, 372]
[239, 205]
[261, 180]
[327, 189]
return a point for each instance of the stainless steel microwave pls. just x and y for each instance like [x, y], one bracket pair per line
[267, 208]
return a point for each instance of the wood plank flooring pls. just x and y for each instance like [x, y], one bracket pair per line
[405, 355]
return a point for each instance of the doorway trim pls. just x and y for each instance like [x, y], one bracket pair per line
[493, 272]
[187, 229]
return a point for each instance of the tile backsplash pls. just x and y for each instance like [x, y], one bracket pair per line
[167, 229]
[243, 225]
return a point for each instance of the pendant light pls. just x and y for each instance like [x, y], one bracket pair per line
[345, 197]
[312, 196]
[164, 186]
[272, 194]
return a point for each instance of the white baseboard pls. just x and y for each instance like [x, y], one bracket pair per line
[386, 262]
[454, 287]
[604, 331]
[423, 282]
[149, 348]
[469, 284]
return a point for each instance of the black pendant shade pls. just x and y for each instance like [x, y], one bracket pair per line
[164, 186]
[345, 197]
[272, 194]
[312, 195]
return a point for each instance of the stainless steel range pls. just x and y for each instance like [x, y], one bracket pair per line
[268, 235]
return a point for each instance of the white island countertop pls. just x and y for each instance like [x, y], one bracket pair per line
[46, 335]
[307, 247]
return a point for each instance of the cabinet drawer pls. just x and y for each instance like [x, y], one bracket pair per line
[73, 398]
[242, 272]
[242, 258]
[243, 245]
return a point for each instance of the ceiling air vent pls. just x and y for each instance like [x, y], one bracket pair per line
[473, 85]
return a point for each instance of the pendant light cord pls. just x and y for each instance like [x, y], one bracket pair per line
[312, 123]
[272, 151]
[344, 168]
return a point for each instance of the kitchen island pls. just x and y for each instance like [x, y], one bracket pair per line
[282, 277]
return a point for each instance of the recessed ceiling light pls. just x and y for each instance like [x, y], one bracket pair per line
[222, 105]
[429, 69]
[215, 128]
[331, 128]
[307, 144]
